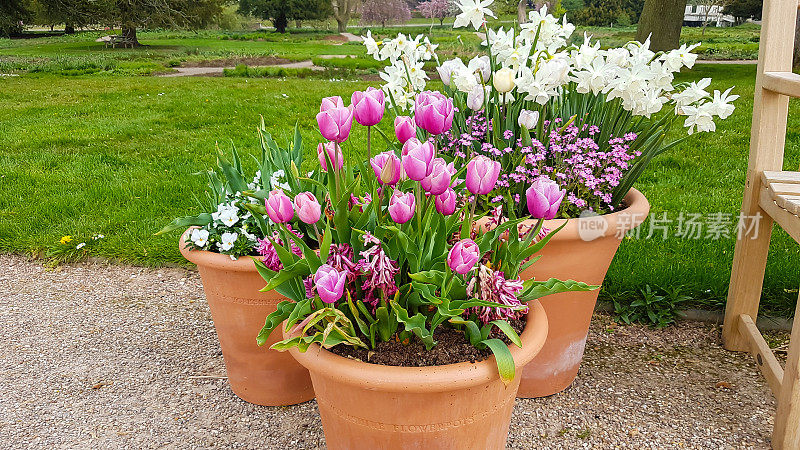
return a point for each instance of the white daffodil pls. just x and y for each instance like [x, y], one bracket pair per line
[227, 241]
[474, 12]
[199, 237]
[680, 57]
[372, 46]
[693, 93]
[699, 118]
[720, 105]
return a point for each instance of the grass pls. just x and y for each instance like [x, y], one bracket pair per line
[103, 151]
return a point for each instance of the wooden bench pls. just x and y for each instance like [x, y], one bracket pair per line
[771, 196]
[118, 40]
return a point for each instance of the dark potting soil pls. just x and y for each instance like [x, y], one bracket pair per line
[452, 346]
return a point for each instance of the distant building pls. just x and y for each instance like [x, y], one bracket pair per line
[694, 15]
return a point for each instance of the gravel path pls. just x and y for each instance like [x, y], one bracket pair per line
[205, 71]
[106, 356]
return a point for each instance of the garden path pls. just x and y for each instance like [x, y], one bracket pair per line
[100, 355]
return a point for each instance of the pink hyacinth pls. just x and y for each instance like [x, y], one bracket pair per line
[386, 166]
[380, 271]
[329, 283]
[266, 249]
[368, 106]
[492, 286]
[482, 175]
[433, 112]
[401, 206]
[404, 128]
[335, 123]
[334, 152]
[279, 207]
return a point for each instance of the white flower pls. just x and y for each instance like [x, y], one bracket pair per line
[199, 237]
[546, 31]
[227, 240]
[480, 66]
[593, 78]
[699, 117]
[503, 80]
[476, 97]
[693, 93]
[465, 81]
[720, 105]
[448, 68]
[473, 11]
[683, 56]
[229, 216]
[586, 54]
[528, 119]
[80, 246]
[369, 42]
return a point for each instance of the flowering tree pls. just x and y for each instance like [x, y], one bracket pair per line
[436, 9]
[383, 11]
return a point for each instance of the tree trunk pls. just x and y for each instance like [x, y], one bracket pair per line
[521, 11]
[69, 29]
[662, 21]
[342, 25]
[129, 34]
[298, 24]
[280, 23]
[441, 21]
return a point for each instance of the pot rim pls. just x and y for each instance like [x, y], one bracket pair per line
[430, 378]
[634, 215]
[213, 259]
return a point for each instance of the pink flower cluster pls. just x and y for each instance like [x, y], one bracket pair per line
[266, 249]
[492, 286]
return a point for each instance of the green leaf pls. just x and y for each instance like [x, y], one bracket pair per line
[528, 252]
[505, 362]
[433, 277]
[273, 320]
[505, 327]
[387, 324]
[325, 246]
[537, 289]
[415, 324]
[186, 222]
[298, 269]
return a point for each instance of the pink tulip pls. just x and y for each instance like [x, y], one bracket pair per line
[544, 197]
[386, 166]
[482, 175]
[334, 153]
[307, 206]
[439, 179]
[335, 122]
[463, 256]
[401, 206]
[329, 283]
[433, 112]
[417, 160]
[368, 106]
[446, 202]
[331, 102]
[404, 128]
[279, 207]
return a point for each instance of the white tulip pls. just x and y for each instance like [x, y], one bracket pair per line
[528, 119]
[475, 98]
[503, 80]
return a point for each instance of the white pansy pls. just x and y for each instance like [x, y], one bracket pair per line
[199, 237]
[473, 12]
[275, 180]
[480, 66]
[528, 119]
[227, 214]
[227, 241]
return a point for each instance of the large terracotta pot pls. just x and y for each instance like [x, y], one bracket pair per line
[456, 406]
[581, 251]
[256, 374]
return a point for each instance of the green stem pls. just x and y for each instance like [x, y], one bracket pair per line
[369, 143]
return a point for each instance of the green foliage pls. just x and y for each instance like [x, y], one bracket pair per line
[280, 12]
[12, 13]
[607, 12]
[658, 308]
[744, 9]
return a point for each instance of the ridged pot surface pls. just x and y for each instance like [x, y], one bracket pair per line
[256, 374]
[581, 251]
[456, 406]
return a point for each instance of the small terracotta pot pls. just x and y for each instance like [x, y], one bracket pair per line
[456, 406]
[581, 251]
[256, 374]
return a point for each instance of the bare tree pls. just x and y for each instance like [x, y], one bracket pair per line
[708, 6]
[342, 9]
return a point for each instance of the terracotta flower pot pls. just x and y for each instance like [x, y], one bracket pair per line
[456, 406]
[256, 374]
[581, 251]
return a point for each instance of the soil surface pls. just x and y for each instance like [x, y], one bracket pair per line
[451, 347]
[107, 356]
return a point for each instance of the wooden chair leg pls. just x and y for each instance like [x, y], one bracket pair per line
[787, 419]
[747, 277]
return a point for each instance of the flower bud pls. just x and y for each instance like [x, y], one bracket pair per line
[503, 80]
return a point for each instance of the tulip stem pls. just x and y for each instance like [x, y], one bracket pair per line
[369, 143]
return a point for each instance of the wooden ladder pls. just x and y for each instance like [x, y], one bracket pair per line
[771, 195]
